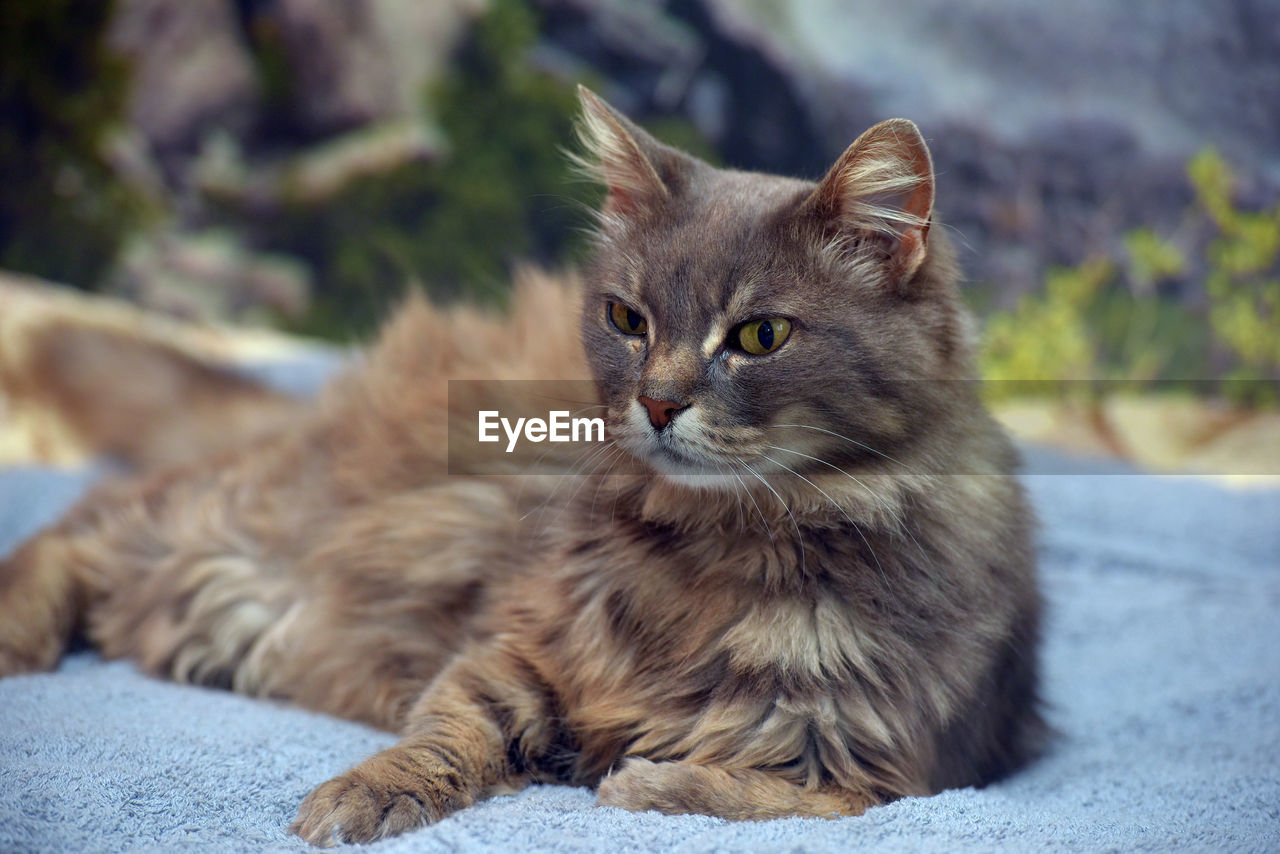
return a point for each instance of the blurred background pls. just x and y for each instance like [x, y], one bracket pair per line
[1109, 171]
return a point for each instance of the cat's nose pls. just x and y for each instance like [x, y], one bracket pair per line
[660, 411]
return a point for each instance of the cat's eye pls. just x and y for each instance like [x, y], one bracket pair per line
[627, 321]
[763, 336]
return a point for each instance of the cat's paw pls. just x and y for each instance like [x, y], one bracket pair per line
[34, 619]
[25, 654]
[386, 795]
[641, 785]
[353, 809]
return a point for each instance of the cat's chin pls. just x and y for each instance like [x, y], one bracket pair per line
[710, 482]
[675, 468]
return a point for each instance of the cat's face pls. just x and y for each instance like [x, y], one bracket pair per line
[735, 331]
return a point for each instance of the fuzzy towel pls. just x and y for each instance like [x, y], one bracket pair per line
[1162, 666]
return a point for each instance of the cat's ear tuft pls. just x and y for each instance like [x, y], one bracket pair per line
[638, 171]
[883, 184]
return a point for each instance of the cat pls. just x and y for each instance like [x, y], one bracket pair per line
[817, 594]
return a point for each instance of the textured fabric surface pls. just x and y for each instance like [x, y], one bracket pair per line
[1162, 665]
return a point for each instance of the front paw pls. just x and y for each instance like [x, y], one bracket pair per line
[641, 785]
[352, 809]
[384, 796]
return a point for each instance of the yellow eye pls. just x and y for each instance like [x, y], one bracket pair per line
[763, 336]
[627, 321]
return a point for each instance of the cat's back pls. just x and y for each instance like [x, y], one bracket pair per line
[387, 421]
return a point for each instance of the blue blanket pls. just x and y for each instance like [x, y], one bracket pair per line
[1162, 662]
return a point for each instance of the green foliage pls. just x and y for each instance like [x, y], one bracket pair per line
[502, 193]
[1047, 336]
[1151, 258]
[63, 211]
[1243, 281]
[507, 191]
[1104, 320]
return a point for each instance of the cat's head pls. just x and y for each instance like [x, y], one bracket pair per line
[740, 324]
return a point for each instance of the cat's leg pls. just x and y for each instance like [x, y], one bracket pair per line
[47, 585]
[678, 788]
[477, 730]
[38, 607]
[253, 574]
[129, 566]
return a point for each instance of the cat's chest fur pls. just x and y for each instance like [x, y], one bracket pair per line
[660, 648]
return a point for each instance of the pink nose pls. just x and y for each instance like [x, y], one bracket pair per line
[660, 411]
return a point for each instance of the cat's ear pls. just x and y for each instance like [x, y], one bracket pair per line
[639, 172]
[883, 185]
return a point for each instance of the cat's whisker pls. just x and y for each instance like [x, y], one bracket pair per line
[820, 490]
[791, 516]
[545, 501]
[754, 504]
[851, 441]
[958, 236]
[582, 462]
[550, 447]
[595, 459]
[836, 505]
[590, 460]
[613, 458]
[900, 523]
[539, 458]
[613, 512]
[881, 502]
[742, 519]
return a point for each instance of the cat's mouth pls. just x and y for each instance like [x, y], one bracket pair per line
[676, 453]
[666, 454]
[677, 459]
[677, 466]
[669, 454]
